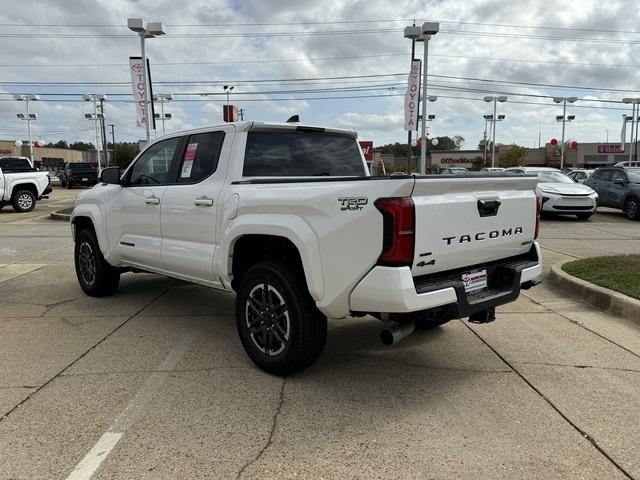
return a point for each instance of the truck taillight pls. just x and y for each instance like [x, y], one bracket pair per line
[398, 238]
[538, 210]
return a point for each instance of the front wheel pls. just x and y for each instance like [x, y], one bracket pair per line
[632, 209]
[96, 277]
[24, 201]
[279, 325]
[584, 216]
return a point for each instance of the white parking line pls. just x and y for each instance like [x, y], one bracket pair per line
[103, 447]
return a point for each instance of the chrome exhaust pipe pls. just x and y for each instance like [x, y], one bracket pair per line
[392, 335]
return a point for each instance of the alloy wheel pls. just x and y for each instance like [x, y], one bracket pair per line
[25, 201]
[87, 263]
[632, 209]
[267, 318]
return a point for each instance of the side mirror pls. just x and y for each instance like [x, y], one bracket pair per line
[110, 175]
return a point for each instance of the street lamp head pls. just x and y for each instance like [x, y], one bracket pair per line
[572, 99]
[20, 116]
[502, 98]
[33, 116]
[501, 117]
[627, 100]
[87, 97]
[432, 98]
[430, 28]
[558, 99]
[88, 116]
[488, 117]
[488, 98]
[135, 25]
[431, 117]
[168, 116]
[168, 97]
[571, 117]
[559, 118]
[155, 29]
[412, 33]
[101, 96]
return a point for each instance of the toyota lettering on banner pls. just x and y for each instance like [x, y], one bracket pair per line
[137, 83]
[411, 99]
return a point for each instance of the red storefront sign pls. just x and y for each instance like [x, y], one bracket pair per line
[367, 149]
[610, 148]
[454, 161]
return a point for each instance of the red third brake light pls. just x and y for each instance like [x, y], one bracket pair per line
[398, 240]
[538, 210]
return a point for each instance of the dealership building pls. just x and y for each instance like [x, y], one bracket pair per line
[585, 155]
[46, 158]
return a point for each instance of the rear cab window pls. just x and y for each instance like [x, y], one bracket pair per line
[301, 153]
[15, 165]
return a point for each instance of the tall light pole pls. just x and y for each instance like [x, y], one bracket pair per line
[564, 101]
[96, 98]
[28, 117]
[495, 118]
[163, 97]
[151, 30]
[428, 29]
[635, 110]
[487, 118]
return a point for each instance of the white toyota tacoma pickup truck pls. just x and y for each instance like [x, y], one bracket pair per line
[21, 185]
[288, 218]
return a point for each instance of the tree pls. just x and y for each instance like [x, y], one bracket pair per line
[125, 153]
[514, 157]
[82, 146]
[478, 163]
[58, 144]
[444, 143]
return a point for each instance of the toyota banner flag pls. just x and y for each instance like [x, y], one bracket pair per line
[411, 98]
[138, 86]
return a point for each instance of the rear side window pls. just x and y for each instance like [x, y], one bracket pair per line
[200, 158]
[618, 176]
[15, 165]
[301, 154]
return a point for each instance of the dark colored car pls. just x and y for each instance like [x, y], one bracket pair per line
[618, 187]
[78, 173]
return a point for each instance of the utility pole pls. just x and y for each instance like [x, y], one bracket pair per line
[103, 132]
[113, 142]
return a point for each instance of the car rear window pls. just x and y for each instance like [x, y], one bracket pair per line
[80, 166]
[301, 154]
[15, 165]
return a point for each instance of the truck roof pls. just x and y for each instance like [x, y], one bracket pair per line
[257, 126]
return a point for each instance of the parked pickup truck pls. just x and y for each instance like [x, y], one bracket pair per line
[20, 184]
[78, 173]
[288, 218]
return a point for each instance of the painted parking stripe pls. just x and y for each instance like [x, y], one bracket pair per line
[103, 447]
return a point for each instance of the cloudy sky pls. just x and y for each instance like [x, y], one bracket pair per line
[336, 63]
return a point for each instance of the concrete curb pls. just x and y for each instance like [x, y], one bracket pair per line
[600, 297]
[60, 216]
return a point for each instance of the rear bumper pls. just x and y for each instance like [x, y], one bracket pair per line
[394, 290]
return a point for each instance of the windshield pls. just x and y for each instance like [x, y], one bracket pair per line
[553, 177]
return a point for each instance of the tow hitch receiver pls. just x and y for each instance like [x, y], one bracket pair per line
[484, 316]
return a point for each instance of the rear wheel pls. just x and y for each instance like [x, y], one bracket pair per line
[584, 216]
[632, 209]
[96, 277]
[24, 201]
[279, 325]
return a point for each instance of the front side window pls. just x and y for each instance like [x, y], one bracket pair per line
[301, 154]
[618, 177]
[604, 175]
[154, 166]
[200, 158]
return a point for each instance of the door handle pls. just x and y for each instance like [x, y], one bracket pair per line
[152, 200]
[203, 201]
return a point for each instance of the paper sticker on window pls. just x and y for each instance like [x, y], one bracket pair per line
[189, 157]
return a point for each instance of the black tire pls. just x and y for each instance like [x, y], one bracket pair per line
[1, 205]
[279, 340]
[68, 184]
[23, 201]
[96, 277]
[63, 184]
[632, 208]
[584, 216]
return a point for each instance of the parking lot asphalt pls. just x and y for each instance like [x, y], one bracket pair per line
[153, 382]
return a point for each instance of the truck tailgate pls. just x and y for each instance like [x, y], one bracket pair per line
[463, 220]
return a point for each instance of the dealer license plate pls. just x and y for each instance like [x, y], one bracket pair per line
[576, 201]
[475, 281]
[85, 179]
